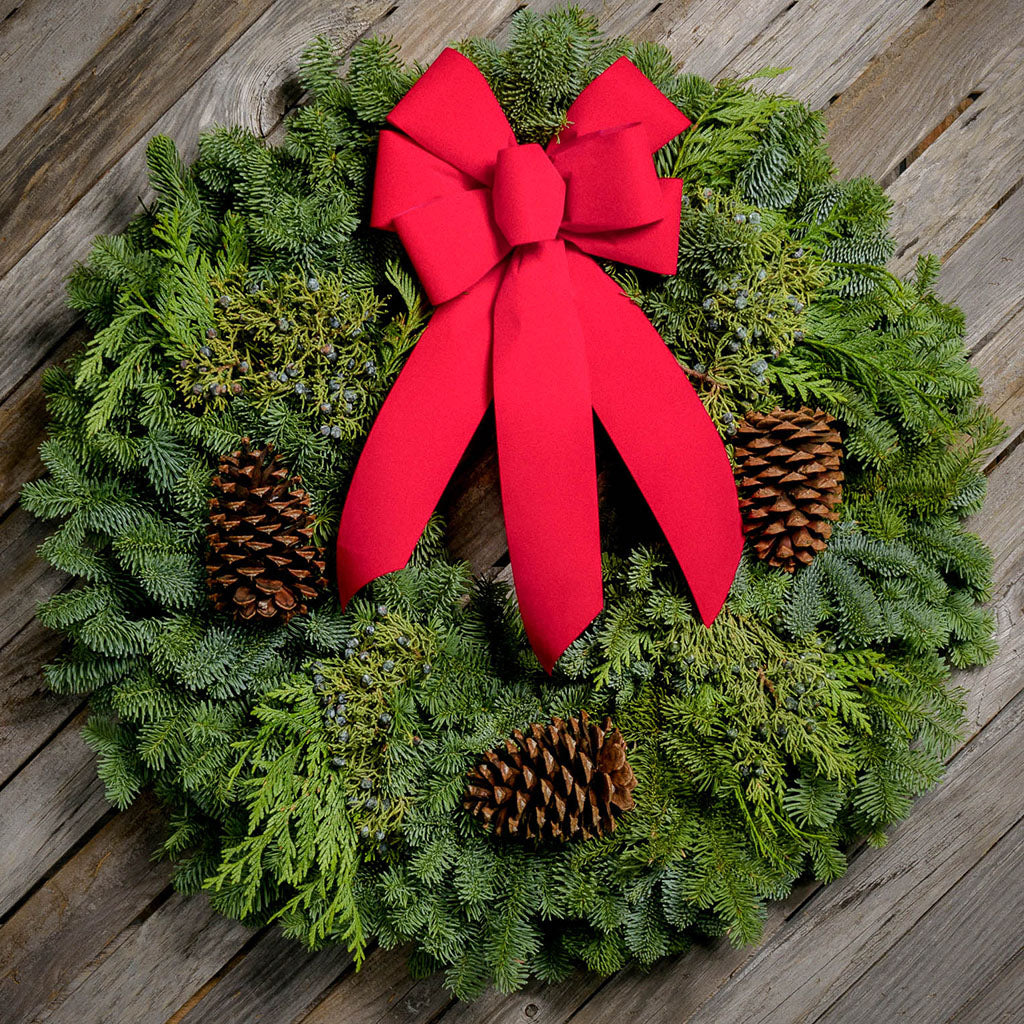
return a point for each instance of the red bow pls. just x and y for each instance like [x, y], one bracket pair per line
[498, 234]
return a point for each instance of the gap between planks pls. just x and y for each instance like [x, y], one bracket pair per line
[687, 983]
[953, 938]
[712, 34]
[846, 931]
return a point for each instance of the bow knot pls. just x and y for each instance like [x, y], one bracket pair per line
[501, 236]
[528, 195]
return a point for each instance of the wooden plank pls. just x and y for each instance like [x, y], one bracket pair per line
[983, 275]
[108, 106]
[998, 524]
[46, 810]
[22, 423]
[66, 926]
[536, 1003]
[1000, 361]
[28, 579]
[845, 927]
[971, 168]
[705, 35]
[382, 992]
[29, 712]
[43, 46]
[945, 56]
[276, 980]
[999, 1002]
[952, 952]
[825, 48]
[471, 503]
[149, 965]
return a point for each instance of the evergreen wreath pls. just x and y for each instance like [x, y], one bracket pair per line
[314, 764]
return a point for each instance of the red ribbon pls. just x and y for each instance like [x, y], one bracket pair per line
[499, 234]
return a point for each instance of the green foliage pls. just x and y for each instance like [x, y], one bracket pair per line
[314, 771]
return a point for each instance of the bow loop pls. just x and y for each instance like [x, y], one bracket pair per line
[447, 222]
[611, 182]
[498, 234]
[452, 113]
[408, 176]
[623, 94]
[653, 246]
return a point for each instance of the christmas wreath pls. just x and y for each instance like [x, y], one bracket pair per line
[403, 769]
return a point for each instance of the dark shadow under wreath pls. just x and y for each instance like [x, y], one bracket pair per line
[330, 770]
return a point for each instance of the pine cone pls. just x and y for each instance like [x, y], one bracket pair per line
[262, 564]
[555, 781]
[790, 483]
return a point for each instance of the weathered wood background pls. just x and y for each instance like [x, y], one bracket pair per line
[926, 96]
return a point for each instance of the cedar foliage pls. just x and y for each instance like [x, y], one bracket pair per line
[313, 771]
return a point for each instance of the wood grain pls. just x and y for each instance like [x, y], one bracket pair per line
[45, 810]
[29, 712]
[1000, 361]
[999, 1002]
[68, 925]
[22, 422]
[28, 579]
[946, 55]
[536, 1003]
[382, 992]
[275, 980]
[39, 56]
[983, 276]
[149, 965]
[954, 950]
[999, 525]
[948, 194]
[59, 154]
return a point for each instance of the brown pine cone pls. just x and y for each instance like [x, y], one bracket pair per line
[790, 482]
[554, 781]
[262, 564]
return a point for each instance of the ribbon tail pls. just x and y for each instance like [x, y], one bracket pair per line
[419, 436]
[663, 433]
[545, 430]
